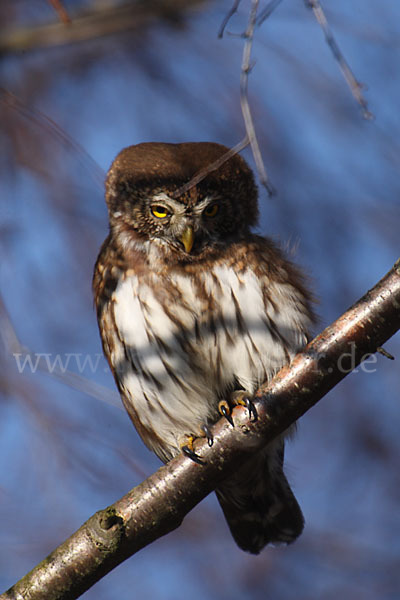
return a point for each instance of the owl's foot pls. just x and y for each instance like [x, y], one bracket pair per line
[225, 410]
[243, 398]
[188, 450]
[238, 398]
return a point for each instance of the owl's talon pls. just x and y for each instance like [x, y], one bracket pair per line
[253, 415]
[209, 435]
[190, 453]
[243, 398]
[225, 411]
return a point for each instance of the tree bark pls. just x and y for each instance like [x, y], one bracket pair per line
[159, 504]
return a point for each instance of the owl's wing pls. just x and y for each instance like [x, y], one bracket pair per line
[257, 501]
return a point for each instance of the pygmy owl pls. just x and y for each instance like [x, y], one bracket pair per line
[196, 311]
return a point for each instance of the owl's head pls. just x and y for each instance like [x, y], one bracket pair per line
[144, 200]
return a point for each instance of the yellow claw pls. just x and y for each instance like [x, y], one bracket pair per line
[187, 238]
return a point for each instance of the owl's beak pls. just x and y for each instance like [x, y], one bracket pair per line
[187, 238]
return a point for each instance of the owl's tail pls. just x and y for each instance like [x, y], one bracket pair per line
[258, 504]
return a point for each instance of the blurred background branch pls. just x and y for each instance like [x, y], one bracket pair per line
[103, 21]
[70, 107]
[60, 10]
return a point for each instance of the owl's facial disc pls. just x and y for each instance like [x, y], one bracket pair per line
[184, 228]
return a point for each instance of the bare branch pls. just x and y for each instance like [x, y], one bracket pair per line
[7, 331]
[250, 137]
[228, 17]
[61, 11]
[268, 10]
[244, 100]
[13, 347]
[265, 13]
[385, 353]
[159, 504]
[55, 130]
[108, 20]
[354, 85]
[211, 167]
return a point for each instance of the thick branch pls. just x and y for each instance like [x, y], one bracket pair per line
[159, 504]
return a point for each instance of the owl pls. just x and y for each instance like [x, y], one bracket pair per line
[195, 312]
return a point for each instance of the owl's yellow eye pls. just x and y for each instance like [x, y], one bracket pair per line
[211, 210]
[159, 211]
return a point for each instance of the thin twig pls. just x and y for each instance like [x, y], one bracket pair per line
[7, 332]
[250, 137]
[268, 10]
[61, 11]
[211, 167]
[109, 18]
[51, 126]
[244, 101]
[13, 347]
[354, 85]
[228, 17]
[385, 353]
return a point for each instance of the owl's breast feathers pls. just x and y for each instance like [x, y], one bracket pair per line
[180, 338]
